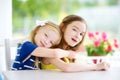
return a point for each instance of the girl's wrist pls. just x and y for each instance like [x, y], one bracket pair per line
[55, 54]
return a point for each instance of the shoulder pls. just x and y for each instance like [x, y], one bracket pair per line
[27, 43]
[27, 46]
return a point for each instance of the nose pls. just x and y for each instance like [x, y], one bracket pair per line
[77, 35]
[47, 43]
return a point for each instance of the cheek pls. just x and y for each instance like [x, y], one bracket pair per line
[67, 36]
[35, 40]
[80, 38]
[69, 33]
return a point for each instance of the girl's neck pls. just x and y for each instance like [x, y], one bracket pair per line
[64, 45]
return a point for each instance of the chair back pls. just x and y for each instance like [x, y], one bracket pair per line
[10, 48]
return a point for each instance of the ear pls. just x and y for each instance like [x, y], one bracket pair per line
[62, 27]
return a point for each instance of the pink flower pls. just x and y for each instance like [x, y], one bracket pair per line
[116, 45]
[97, 33]
[109, 48]
[104, 36]
[100, 44]
[97, 43]
[90, 35]
[115, 40]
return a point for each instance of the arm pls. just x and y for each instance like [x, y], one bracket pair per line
[54, 53]
[75, 67]
[32, 49]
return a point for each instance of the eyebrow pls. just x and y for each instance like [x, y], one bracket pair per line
[78, 28]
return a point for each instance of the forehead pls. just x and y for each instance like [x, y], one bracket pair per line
[48, 29]
[78, 25]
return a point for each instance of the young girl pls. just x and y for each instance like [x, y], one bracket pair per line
[73, 29]
[42, 38]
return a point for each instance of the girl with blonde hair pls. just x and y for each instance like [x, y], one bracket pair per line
[43, 37]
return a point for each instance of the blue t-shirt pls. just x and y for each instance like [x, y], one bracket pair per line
[24, 60]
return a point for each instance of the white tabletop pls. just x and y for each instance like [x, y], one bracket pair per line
[111, 74]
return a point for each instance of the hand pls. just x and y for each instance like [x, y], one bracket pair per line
[72, 55]
[64, 53]
[103, 66]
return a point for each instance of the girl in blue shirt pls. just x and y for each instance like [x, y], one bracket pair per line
[43, 36]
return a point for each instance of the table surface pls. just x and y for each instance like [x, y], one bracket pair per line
[111, 74]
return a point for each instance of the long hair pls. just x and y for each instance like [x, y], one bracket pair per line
[63, 25]
[54, 27]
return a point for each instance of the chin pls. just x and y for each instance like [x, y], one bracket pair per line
[72, 45]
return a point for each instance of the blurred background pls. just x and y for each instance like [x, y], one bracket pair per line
[101, 15]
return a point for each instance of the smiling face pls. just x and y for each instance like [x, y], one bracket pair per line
[46, 36]
[74, 33]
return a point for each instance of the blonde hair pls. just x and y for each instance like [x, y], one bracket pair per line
[53, 26]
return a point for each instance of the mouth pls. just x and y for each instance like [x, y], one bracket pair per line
[42, 44]
[74, 40]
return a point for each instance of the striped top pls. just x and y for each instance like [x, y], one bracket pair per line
[24, 60]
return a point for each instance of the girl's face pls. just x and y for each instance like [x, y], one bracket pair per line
[74, 33]
[46, 36]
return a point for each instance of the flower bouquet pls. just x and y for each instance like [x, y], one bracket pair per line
[100, 45]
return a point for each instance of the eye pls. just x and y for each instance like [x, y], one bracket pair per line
[46, 35]
[81, 34]
[74, 29]
[51, 42]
